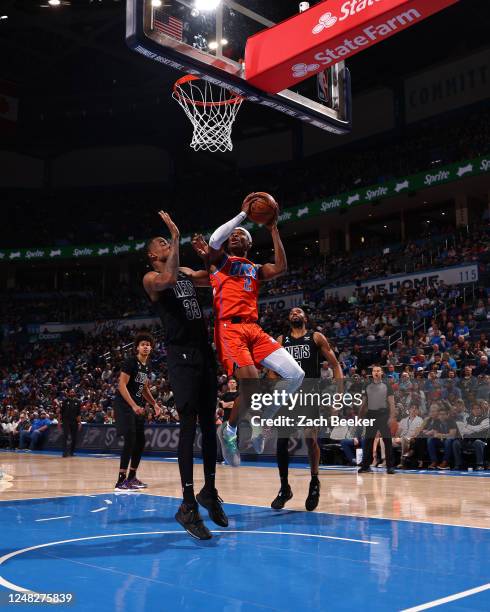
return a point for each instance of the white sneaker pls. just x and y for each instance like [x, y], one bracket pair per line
[229, 446]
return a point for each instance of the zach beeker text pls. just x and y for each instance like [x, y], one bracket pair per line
[301, 420]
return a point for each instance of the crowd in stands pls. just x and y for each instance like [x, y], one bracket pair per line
[309, 275]
[433, 345]
[109, 214]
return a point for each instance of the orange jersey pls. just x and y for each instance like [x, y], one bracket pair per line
[236, 289]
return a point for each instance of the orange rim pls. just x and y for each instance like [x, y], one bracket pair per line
[181, 94]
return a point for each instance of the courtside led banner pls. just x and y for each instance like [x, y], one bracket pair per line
[282, 56]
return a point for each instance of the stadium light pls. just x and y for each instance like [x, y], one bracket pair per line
[156, 3]
[213, 45]
[206, 5]
[54, 2]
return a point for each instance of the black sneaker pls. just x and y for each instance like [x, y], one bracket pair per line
[283, 496]
[190, 519]
[65, 455]
[390, 470]
[212, 502]
[313, 495]
[364, 469]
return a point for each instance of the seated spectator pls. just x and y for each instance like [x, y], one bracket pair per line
[405, 382]
[352, 439]
[22, 425]
[482, 391]
[462, 329]
[392, 375]
[441, 435]
[482, 367]
[36, 433]
[407, 431]
[474, 433]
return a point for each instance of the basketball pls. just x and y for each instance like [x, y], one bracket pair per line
[264, 209]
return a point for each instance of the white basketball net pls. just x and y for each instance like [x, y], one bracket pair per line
[212, 111]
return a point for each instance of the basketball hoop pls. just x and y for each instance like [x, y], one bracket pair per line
[212, 111]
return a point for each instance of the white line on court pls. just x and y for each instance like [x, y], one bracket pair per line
[53, 518]
[148, 493]
[150, 510]
[99, 509]
[366, 516]
[448, 599]
[15, 553]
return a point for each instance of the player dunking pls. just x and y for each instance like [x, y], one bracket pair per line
[191, 370]
[306, 347]
[241, 343]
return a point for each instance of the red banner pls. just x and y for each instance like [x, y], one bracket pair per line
[331, 31]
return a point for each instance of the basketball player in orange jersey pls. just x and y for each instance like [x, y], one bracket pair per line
[241, 344]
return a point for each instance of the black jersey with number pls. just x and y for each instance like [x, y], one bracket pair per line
[181, 314]
[138, 375]
[305, 352]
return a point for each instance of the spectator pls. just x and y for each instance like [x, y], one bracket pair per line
[473, 437]
[442, 435]
[36, 434]
[483, 367]
[407, 431]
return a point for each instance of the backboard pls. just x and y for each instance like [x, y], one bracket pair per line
[207, 38]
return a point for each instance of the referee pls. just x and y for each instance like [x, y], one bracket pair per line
[70, 422]
[379, 405]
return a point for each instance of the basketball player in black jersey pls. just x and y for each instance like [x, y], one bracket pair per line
[132, 393]
[306, 347]
[191, 370]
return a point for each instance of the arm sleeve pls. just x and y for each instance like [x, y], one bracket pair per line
[221, 235]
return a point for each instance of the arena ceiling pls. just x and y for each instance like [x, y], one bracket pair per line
[75, 76]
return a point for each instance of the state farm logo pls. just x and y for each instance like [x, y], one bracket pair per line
[327, 20]
[301, 70]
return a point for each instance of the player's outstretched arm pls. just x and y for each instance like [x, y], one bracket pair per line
[199, 278]
[280, 265]
[221, 235]
[326, 350]
[154, 281]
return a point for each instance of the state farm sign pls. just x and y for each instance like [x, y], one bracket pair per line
[329, 32]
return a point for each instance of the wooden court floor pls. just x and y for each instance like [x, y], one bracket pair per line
[428, 498]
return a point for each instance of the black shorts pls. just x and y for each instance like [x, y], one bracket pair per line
[192, 375]
[127, 421]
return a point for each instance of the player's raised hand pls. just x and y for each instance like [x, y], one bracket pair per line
[247, 202]
[272, 225]
[200, 246]
[172, 228]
